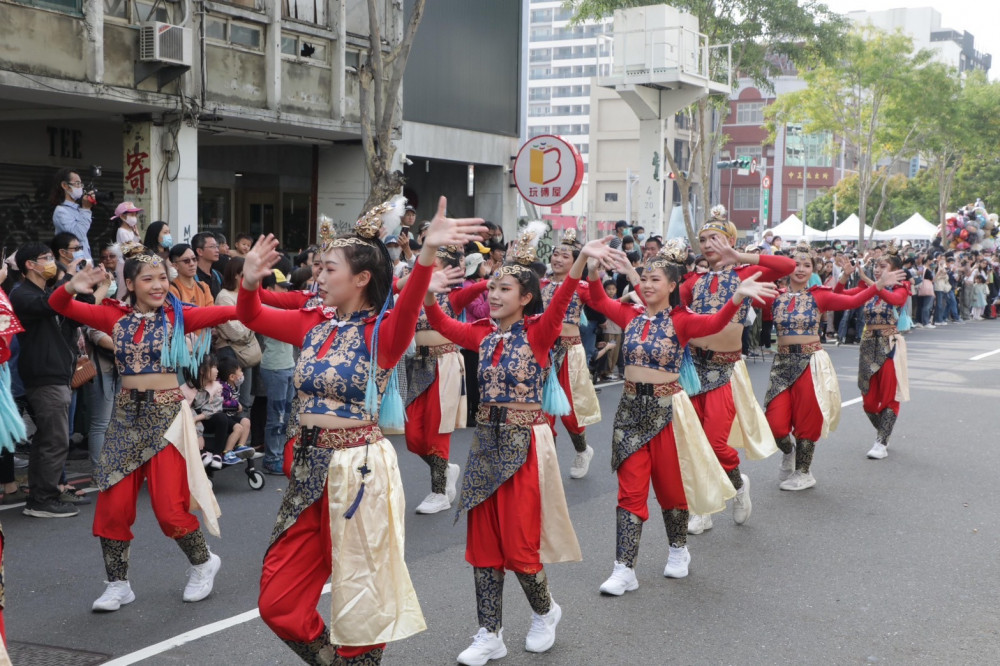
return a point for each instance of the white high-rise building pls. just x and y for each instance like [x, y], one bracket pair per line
[562, 59]
[923, 24]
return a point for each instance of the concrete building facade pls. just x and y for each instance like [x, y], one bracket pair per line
[238, 116]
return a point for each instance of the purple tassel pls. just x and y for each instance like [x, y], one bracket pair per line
[356, 503]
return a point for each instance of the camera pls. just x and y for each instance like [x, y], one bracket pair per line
[90, 189]
[853, 262]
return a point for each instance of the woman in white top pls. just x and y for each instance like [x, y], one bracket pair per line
[127, 214]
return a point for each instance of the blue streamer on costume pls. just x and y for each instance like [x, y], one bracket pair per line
[583, 319]
[689, 375]
[356, 503]
[904, 323]
[554, 400]
[392, 415]
[11, 424]
[175, 353]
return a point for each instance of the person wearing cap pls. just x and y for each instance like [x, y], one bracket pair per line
[621, 229]
[399, 267]
[409, 216]
[569, 359]
[726, 396]
[127, 213]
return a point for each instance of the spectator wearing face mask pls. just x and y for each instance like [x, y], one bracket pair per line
[127, 214]
[45, 364]
[72, 212]
[69, 252]
[399, 267]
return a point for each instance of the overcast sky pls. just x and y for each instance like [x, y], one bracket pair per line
[980, 17]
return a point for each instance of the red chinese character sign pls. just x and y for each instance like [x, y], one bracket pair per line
[548, 170]
[138, 183]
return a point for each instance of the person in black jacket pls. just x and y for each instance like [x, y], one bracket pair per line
[46, 364]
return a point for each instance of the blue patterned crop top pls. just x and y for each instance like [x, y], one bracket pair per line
[575, 308]
[705, 301]
[878, 312]
[659, 349]
[796, 313]
[138, 342]
[516, 377]
[445, 303]
[331, 375]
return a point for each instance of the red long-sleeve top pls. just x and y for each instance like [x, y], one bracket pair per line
[510, 361]
[707, 292]
[881, 310]
[658, 341]
[799, 312]
[455, 300]
[138, 341]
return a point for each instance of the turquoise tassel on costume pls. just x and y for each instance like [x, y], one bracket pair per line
[583, 319]
[175, 353]
[392, 415]
[904, 323]
[11, 424]
[554, 400]
[688, 375]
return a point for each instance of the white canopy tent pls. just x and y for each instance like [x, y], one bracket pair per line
[846, 230]
[792, 229]
[915, 228]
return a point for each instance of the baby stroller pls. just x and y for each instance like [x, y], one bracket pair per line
[255, 478]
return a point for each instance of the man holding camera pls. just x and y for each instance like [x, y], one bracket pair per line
[72, 211]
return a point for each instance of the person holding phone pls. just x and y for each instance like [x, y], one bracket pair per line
[72, 212]
[69, 252]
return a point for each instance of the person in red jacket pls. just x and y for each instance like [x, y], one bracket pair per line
[341, 517]
[656, 426]
[151, 436]
[726, 395]
[803, 396]
[570, 358]
[435, 388]
[512, 471]
[882, 357]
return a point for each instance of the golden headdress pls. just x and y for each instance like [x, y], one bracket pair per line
[892, 248]
[720, 222]
[139, 252]
[673, 252]
[569, 239]
[525, 251]
[448, 252]
[803, 247]
[366, 229]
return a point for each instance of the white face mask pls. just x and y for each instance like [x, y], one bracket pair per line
[77, 193]
[172, 273]
[131, 220]
[239, 380]
[113, 289]
[395, 253]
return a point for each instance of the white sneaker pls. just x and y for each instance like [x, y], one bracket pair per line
[742, 506]
[930, 326]
[699, 523]
[798, 481]
[581, 464]
[787, 465]
[485, 646]
[677, 563]
[542, 633]
[116, 594]
[201, 578]
[451, 484]
[622, 580]
[434, 503]
[878, 451]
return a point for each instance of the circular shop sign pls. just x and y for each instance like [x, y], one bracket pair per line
[548, 170]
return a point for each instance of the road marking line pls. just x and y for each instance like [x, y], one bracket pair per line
[982, 356]
[851, 402]
[188, 636]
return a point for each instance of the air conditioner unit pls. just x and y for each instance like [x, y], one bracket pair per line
[165, 43]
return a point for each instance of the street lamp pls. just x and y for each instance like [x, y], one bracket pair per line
[630, 180]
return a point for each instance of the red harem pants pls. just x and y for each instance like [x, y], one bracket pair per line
[882, 390]
[505, 530]
[796, 410]
[716, 411]
[568, 421]
[296, 567]
[656, 462]
[423, 421]
[166, 475]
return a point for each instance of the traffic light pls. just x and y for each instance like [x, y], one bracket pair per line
[673, 176]
[728, 164]
[744, 161]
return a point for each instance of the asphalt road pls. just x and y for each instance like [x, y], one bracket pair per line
[889, 562]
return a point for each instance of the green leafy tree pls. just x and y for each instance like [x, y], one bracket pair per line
[763, 33]
[866, 97]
